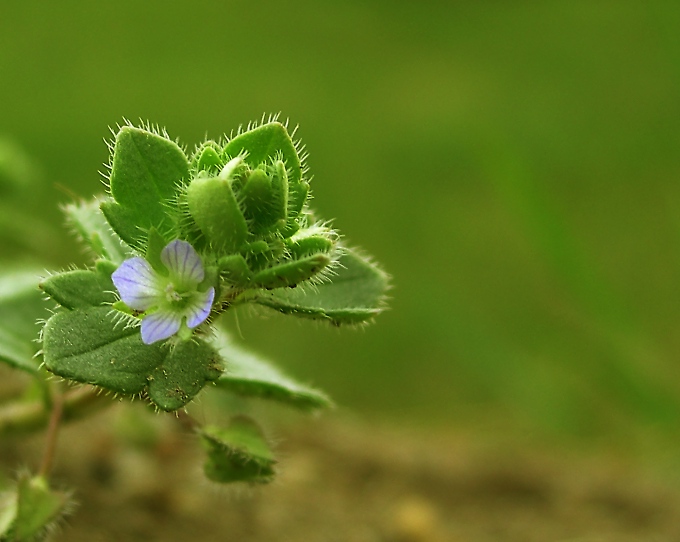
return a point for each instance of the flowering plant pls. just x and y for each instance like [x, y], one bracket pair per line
[179, 240]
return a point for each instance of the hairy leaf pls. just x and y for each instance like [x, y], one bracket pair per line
[28, 510]
[355, 294]
[238, 453]
[82, 288]
[88, 345]
[147, 170]
[249, 375]
[92, 227]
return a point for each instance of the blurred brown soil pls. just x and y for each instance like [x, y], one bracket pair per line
[345, 481]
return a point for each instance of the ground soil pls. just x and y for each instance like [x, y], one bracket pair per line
[347, 481]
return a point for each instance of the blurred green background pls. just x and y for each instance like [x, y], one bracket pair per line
[514, 165]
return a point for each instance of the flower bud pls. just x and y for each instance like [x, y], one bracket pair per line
[265, 197]
[216, 212]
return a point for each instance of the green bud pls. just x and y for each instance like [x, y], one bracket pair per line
[208, 159]
[264, 198]
[214, 208]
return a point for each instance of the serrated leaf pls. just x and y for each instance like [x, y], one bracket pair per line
[238, 453]
[21, 306]
[265, 143]
[81, 288]
[146, 172]
[249, 375]
[354, 295]
[89, 346]
[92, 227]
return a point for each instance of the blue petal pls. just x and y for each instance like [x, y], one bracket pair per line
[183, 262]
[159, 326]
[198, 311]
[137, 284]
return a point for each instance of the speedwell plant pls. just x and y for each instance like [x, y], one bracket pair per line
[179, 240]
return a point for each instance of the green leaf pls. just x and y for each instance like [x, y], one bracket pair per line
[123, 223]
[147, 170]
[154, 248]
[306, 244]
[88, 345]
[92, 227]
[185, 370]
[28, 510]
[265, 144]
[356, 294]
[249, 375]
[238, 453]
[21, 306]
[291, 273]
[81, 288]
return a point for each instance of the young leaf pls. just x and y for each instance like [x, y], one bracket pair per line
[146, 172]
[265, 143]
[88, 345]
[249, 375]
[207, 158]
[291, 273]
[238, 453]
[21, 306]
[91, 226]
[354, 295]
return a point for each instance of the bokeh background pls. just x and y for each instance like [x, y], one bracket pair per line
[515, 166]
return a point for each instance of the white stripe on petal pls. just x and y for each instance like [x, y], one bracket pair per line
[159, 326]
[137, 283]
[198, 311]
[183, 262]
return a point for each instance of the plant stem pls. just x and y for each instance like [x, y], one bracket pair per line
[52, 434]
[29, 416]
[187, 421]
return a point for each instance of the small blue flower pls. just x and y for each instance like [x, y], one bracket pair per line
[167, 300]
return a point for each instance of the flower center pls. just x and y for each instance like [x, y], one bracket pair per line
[176, 299]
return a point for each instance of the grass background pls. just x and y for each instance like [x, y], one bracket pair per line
[514, 165]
